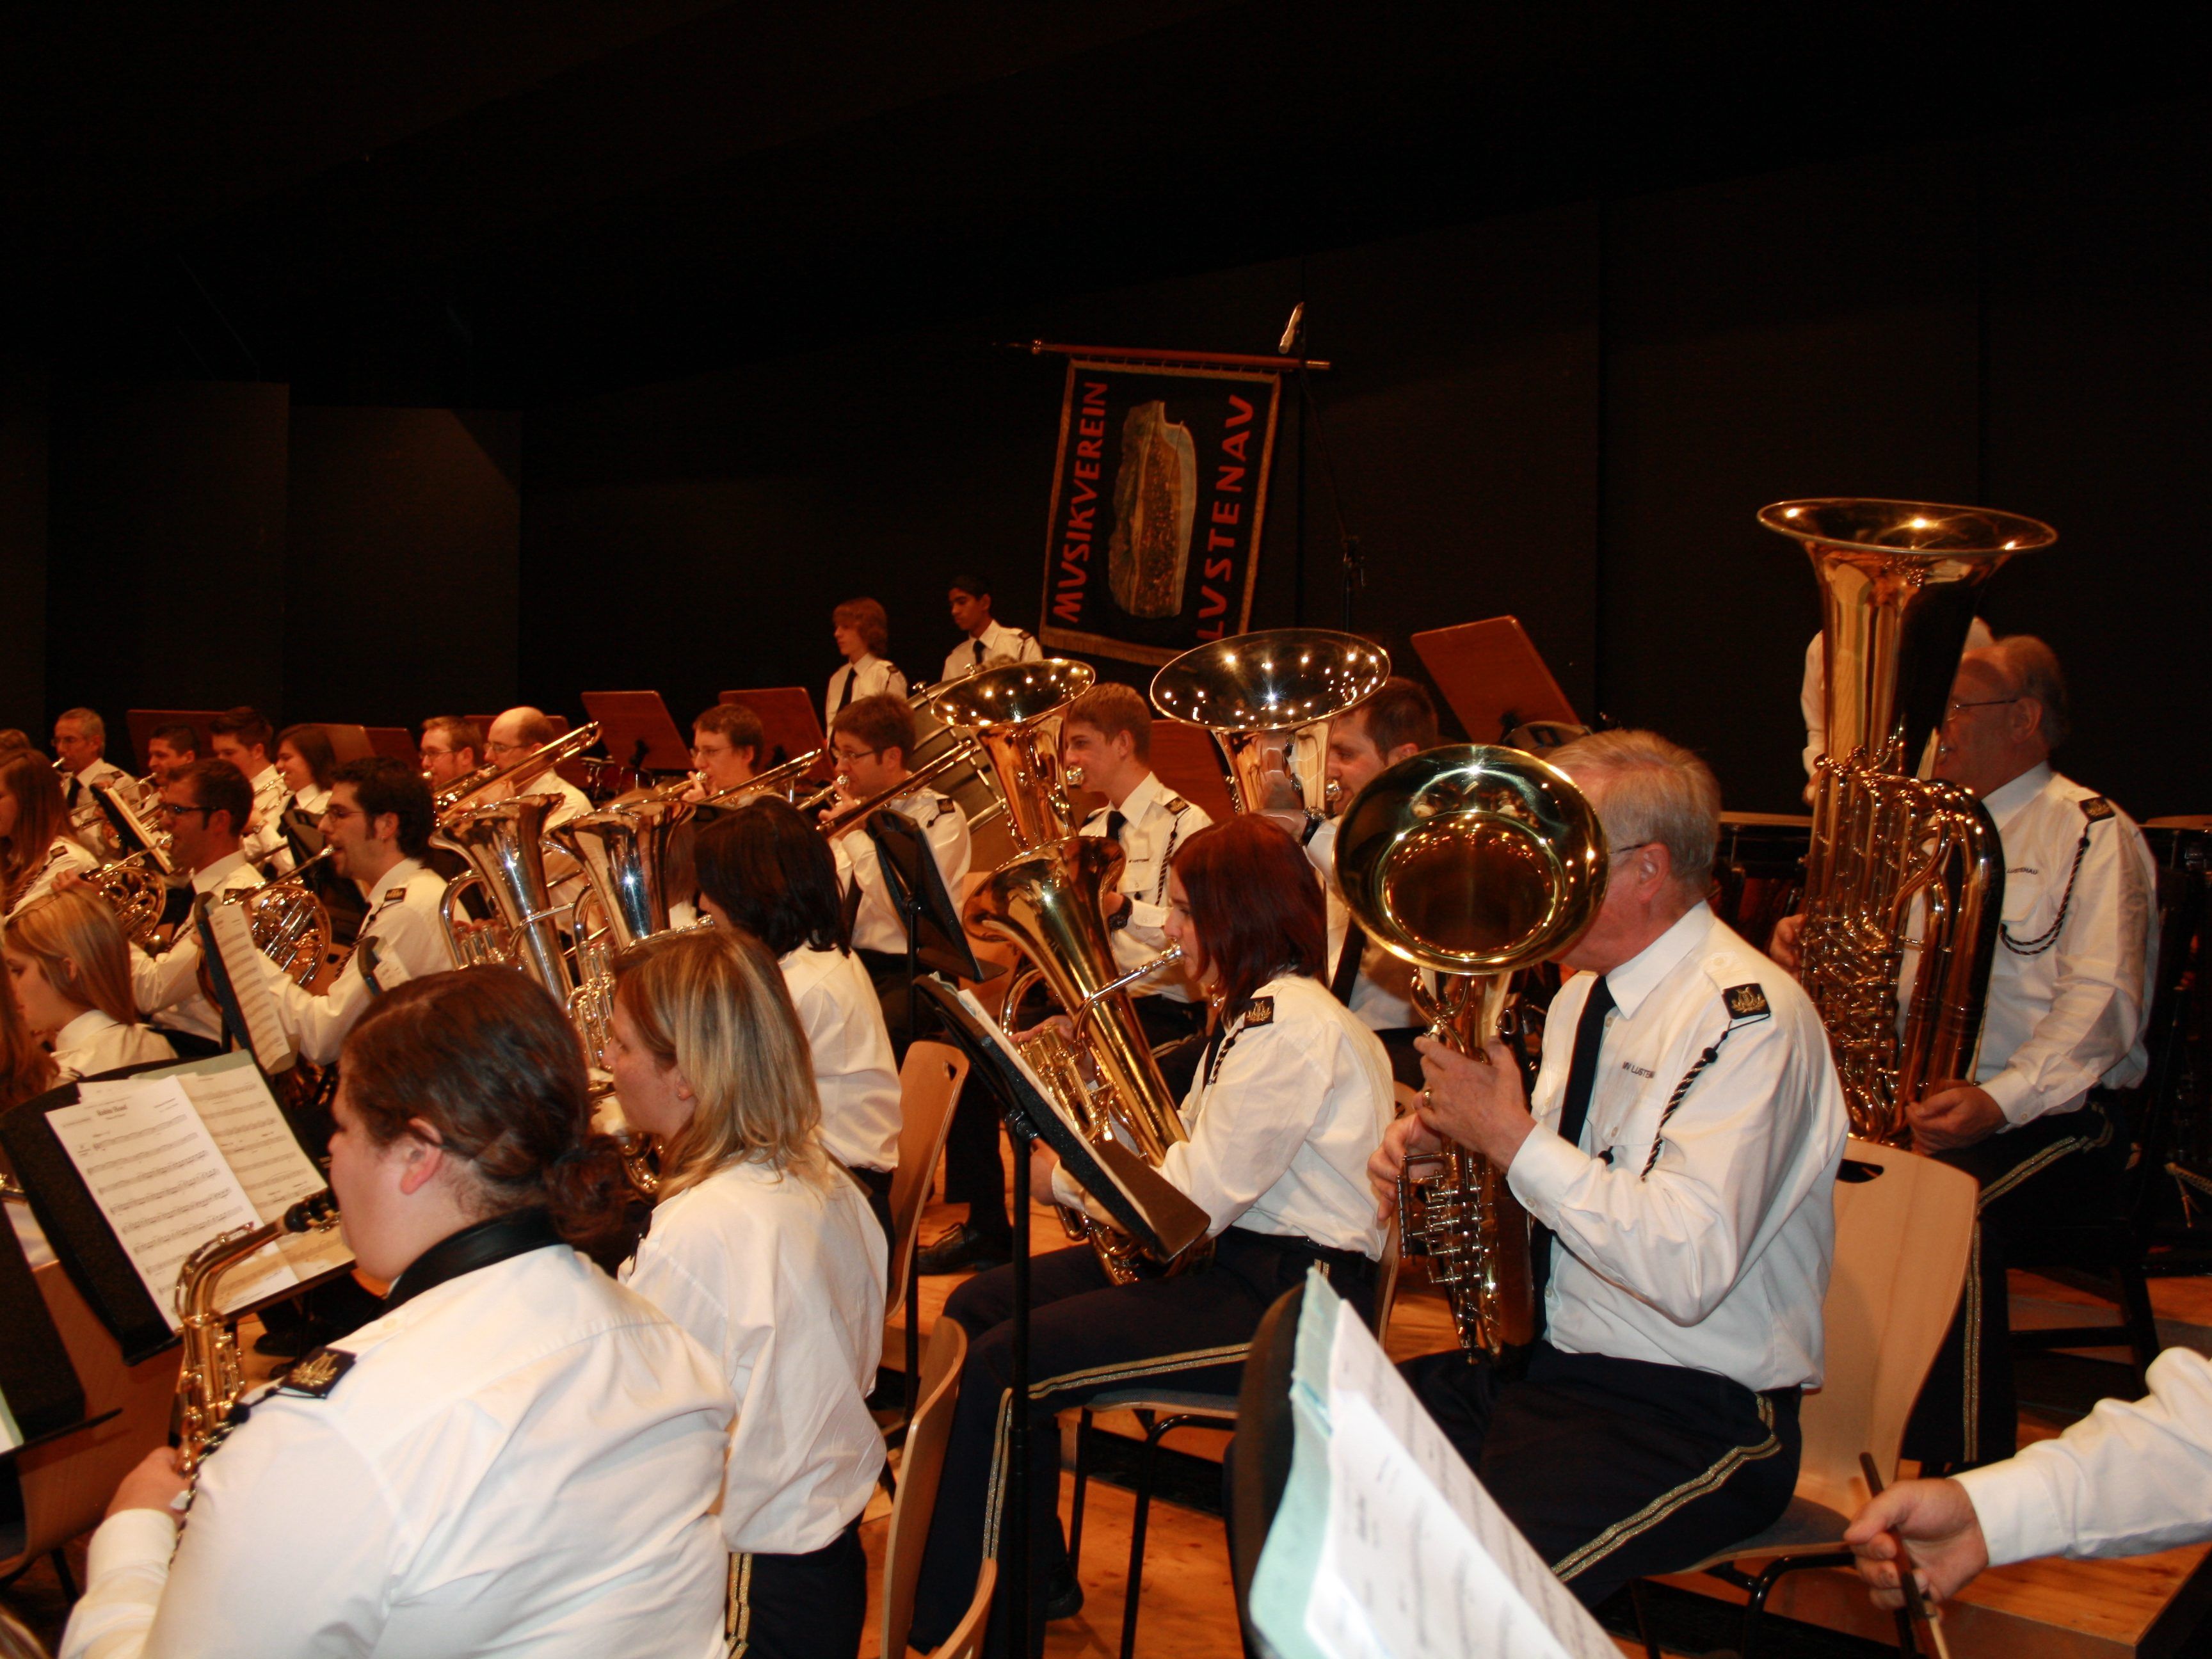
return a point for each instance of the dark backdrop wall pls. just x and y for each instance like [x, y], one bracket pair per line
[1570, 416]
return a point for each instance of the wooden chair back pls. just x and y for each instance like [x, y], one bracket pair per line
[68, 1482]
[1903, 1235]
[929, 1088]
[921, 1464]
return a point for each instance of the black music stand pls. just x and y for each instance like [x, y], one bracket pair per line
[39, 1386]
[1142, 1202]
[935, 937]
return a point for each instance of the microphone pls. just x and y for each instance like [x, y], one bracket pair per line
[1291, 329]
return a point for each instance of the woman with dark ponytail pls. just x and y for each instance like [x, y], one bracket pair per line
[518, 1457]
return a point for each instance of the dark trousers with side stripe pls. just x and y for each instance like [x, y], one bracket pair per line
[799, 1607]
[1615, 1469]
[2050, 1170]
[1086, 1337]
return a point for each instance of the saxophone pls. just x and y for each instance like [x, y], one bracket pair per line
[209, 1380]
[1899, 581]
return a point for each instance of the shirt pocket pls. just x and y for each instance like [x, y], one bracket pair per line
[2031, 902]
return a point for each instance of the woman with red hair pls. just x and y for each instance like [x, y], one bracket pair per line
[1291, 1097]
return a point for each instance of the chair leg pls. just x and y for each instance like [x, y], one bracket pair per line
[1763, 1586]
[1154, 1429]
[1082, 1487]
[1636, 1601]
[62, 1571]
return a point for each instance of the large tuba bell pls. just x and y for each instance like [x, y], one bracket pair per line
[1048, 901]
[1471, 861]
[1899, 581]
[622, 850]
[504, 846]
[1269, 694]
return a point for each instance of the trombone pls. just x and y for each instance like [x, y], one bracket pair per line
[463, 790]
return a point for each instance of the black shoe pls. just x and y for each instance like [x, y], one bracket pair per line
[1063, 1596]
[958, 1248]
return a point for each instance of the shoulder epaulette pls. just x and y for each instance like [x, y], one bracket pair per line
[1178, 805]
[1745, 1003]
[317, 1373]
[1261, 1011]
[394, 894]
[2096, 809]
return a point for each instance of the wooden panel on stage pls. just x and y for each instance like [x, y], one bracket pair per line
[349, 743]
[1493, 678]
[1188, 762]
[392, 742]
[637, 731]
[141, 722]
[788, 719]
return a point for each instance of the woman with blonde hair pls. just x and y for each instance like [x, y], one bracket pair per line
[72, 973]
[35, 844]
[765, 1251]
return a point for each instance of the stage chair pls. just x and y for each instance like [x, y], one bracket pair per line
[930, 1083]
[1904, 1226]
[67, 1482]
[921, 1465]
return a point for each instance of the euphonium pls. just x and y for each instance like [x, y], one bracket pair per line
[209, 1380]
[1270, 693]
[622, 850]
[504, 844]
[1899, 581]
[1048, 900]
[1471, 861]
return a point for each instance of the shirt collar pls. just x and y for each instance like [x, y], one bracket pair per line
[1638, 977]
[85, 1027]
[397, 876]
[211, 880]
[1139, 801]
[2004, 802]
[265, 779]
[513, 1234]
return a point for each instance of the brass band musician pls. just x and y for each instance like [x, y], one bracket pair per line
[726, 746]
[988, 642]
[169, 746]
[80, 750]
[451, 748]
[204, 806]
[36, 848]
[863, 634]
[1679, 1159]
[241, 736]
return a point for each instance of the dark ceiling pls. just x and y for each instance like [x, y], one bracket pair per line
[500, 204]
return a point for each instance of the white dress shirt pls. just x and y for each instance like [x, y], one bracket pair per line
[521, 1462]
[1000, 646]
[264, 840]
[1719, 1260]
[1382, 995]
[403, 919]
[169, 985]
[871, 677]
[94, 1042]
[64, 856]
[877, 926]
[1156, 822]
[314, 800]
[1281, 1131]
[783, 1281]
[2061, 1021]
[2133, 1476]
[854, 1071]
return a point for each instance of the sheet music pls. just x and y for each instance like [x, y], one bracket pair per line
[244, 965]
[161, 1182]
[1417, 1552]
[232, 1099]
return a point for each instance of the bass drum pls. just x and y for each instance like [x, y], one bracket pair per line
[1758, 871]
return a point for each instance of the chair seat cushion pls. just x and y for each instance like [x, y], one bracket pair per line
[1805, 1528]
[1165, 1400]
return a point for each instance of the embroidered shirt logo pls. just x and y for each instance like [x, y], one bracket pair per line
[1261, 1012]
[1630, 1066]
[1746, 1002]
[318, 1373]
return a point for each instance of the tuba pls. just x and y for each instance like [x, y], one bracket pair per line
[1046, 901]
[1261, 694]
[1472, 861]
[1899, 581]
[504, 846]
[209, 1380]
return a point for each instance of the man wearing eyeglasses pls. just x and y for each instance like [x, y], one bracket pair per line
[726, 745]
[2062, 1027]
[521, 731]
[451, 748]
[378, 827]
[204, 806]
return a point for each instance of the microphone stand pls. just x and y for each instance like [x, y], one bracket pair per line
[1354, 565]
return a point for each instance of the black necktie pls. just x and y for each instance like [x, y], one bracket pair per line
[979, 654]
[1574, 1113]
[845, 696]
[1117, 821]
[1347, 963]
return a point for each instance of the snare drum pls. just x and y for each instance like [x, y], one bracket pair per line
[1758, 871]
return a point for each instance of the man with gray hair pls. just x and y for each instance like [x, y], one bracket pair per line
[80, 743]
[2069, 995]
[1678, 1159]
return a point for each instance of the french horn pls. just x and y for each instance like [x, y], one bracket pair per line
[1471, 861]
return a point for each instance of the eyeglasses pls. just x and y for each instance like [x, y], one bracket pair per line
[169, 809]
[341, 813]
[852, 754]
[709, 750]
[1952, 711]
[496, 748]
[434, 754]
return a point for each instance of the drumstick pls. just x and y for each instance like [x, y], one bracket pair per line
[1917, 1602]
